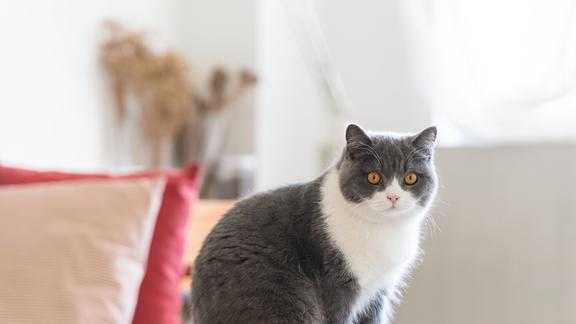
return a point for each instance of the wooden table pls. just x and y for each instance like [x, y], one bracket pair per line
[205, 215]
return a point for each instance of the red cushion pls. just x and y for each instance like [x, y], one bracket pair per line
[159, 299]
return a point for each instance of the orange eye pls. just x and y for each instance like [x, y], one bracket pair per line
[410, 178]
[374, 178]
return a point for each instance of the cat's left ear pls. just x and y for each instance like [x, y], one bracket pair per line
[425, 139]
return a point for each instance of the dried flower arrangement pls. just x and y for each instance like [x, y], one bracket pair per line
[173, 110]
[159, 83]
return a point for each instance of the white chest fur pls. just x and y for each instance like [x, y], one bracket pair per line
[378, 254]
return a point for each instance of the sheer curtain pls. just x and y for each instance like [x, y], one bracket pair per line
[496, 71]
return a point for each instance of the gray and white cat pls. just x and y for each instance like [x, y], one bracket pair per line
[333, 250]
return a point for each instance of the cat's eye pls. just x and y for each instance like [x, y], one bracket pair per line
[374, 178]
[410, 178]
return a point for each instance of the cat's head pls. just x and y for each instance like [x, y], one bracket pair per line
[388, 175]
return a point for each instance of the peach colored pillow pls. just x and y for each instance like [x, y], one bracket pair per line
[75, 251]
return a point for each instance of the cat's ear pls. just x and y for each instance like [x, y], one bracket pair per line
[425, 139]
[356, 141]
[355, 134]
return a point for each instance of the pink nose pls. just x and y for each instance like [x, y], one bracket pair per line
[393, 198]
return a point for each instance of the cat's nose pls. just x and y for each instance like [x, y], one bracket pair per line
[393, 198]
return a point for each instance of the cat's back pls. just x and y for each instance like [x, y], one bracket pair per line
[263, 243]
[264, 212]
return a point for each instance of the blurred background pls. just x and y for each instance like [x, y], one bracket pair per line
[260, 92]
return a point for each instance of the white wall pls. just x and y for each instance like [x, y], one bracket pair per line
[223, 33]
[370, 52]
[54, 100]
[291, 119]
[55, 106]
[54, 103]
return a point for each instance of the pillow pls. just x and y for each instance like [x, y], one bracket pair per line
[75, 252]
[159, 300]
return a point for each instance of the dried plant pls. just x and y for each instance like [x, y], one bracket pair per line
[172, 111]
[216, 104]
[158, 81]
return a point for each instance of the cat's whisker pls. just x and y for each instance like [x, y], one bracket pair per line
[431, 226]
[412, 156]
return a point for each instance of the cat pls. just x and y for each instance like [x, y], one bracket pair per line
[333, 250]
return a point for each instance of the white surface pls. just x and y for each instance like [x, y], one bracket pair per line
[369, 51]
[372, 53]
[55, 105]
[222, 33]
[291, 123]
[54, 99]
[506, 81]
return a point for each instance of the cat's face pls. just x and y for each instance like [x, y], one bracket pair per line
[388, 176]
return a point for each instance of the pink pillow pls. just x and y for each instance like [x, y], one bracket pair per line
[159, 300]
[75, 252]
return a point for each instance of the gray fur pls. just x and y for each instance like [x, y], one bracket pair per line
[392, 157]
[269, 260]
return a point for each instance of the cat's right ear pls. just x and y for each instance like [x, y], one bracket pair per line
[355, 134]
[356, 140]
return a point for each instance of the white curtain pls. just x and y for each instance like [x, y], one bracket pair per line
[496, 71]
